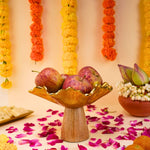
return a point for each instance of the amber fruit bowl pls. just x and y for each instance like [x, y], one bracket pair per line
[72, 98]
[135, 107]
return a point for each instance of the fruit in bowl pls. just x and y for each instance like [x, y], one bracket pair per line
[74, 91]
[134, 91]
[91, 74]
[50, 78]
[78, 83]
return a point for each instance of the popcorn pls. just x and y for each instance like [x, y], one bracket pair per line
[136, 93]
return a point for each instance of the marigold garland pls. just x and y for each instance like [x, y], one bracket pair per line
[69, 33]
[108, 28]
[5, 46]
[36, 28]
[145, 53]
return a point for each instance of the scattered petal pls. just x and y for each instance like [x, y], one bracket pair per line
[81, 147]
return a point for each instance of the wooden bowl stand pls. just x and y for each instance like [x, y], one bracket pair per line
[74, 127]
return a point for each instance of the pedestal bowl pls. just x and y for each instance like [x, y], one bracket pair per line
[74, 126]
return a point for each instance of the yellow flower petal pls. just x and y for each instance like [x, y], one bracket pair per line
[70, 41]
[6, 84]
[69, 25]
[70, 71]
[69, 32]
[69, 48]
[70, 56]
[70, 17]
[69, 3]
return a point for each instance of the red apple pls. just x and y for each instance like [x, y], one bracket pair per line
[64, 76]
[91, 75]
[78, 83]
[50, 78]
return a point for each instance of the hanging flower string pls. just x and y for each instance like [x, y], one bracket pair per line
[108, 28]
[36, 28]
[69, 33]
[5, 46]
[145, 53]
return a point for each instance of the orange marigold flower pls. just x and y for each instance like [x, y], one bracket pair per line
[109, 20]
[35, 1]
[108, 27]
[37, 40]
[109, 43]
[109, 35]
[109, 11]
[36, 56]
[108, 3]
[36, 8]
[35, 33]
[36, 19]
[36, 27]
[109, 53]
[38, 48]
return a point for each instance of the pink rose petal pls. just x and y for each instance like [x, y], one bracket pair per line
[63, 147]
[10, 140]
[61, 114]
[81, 147]
[34, 143]
[11, 129]
[52, 136]
[55, 112]
[42, 119]
[20, 135]
[53, 142]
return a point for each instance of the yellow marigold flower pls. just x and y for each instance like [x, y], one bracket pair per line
[6, 84]
[5, 51]
[3, 138]
[67, 10]
[147, 27]
[69, 25]
[146, 2]
[70, 17]
[4, 34]
[147, 14]
[70, 56]
[4, 19]
[70, 41]
[147, 21]
[70, 63]
[69, 48]
[70, 71]
[69, 3]
[69, 32]
[6, 58]
[4, 27]
[5, 44]
[5, 70]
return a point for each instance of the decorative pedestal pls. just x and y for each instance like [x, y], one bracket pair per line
[74, 127]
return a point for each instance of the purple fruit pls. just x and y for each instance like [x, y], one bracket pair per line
[91, 75]
[78, 83]
[50, 78]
